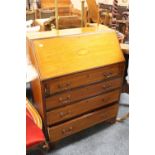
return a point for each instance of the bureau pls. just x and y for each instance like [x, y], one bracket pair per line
[79, 79]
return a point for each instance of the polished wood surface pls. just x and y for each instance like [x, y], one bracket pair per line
[93, 11]
[69, 97]
[72, 57]
[65, 7]
[80, 73]
[80, 79]
[66, 22]
[68, 112]
[63, 130]
[51, 3]
[36, 84]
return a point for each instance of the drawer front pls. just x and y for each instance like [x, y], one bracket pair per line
[68, 112]
[80, 79]
[69, 97]
[63, 130]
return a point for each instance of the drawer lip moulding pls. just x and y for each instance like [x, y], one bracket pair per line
[79, 78]
[68, 128]
[68, 82]
[69, 97]
[81, 107]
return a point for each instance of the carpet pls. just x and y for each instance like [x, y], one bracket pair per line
[102, 139]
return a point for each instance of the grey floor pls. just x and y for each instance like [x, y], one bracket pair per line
[98, 140]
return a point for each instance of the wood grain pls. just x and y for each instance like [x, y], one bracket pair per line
[83, 78]
[80, 73]
[69, 97]
[81, 107]
[62, 56]
[63, 130]
[36, 84]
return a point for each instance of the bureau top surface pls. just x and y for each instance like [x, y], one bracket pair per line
[72, 31]
[64, 55]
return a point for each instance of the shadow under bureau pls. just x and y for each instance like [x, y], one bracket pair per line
[79, 79]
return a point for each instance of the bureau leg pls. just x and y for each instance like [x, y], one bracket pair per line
[52, 145]
[123, 118]
[46, 146]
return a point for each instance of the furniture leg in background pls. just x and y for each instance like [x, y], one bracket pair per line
[124, 99]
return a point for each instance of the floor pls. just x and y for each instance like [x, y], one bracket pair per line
[102, 139]
[98, 140]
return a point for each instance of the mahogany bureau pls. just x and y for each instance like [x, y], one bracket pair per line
[79, 79]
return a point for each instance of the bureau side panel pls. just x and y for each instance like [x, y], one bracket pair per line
[36, 84]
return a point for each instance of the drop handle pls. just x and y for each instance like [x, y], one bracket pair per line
[108, 75]
[63, 114]
[67, 131]
[106, 86]
[65, 86]
[66, 100]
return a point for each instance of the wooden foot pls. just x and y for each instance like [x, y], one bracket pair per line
[52, 145]
[122, 118]
[46, 146]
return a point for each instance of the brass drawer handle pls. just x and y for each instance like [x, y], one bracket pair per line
[67, 131]
[65, 86]
[107, 86]
[66, 100]
[63, 114]
[108, 75]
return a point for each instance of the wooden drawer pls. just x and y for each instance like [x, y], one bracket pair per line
[84, 78]
[63, 130]
[69, 97]
[64, 113]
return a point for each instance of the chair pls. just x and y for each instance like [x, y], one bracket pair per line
[35, 139]
[97, 15]
[46, 13]
[64, 6]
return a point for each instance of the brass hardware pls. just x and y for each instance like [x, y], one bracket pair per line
[108, 75]
[67, 130]
[63, 114]
[66, 100]
[106, 86]
[65, 86]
